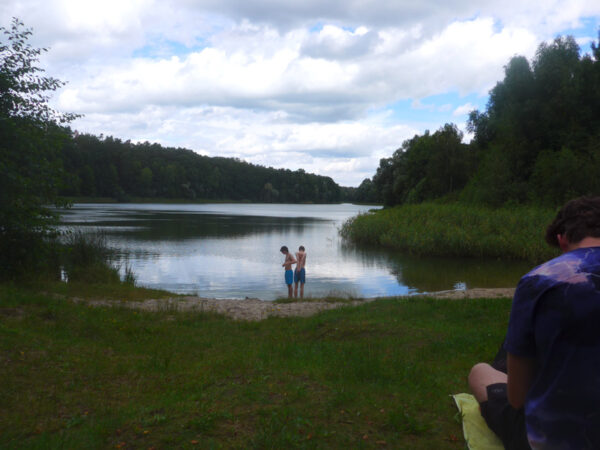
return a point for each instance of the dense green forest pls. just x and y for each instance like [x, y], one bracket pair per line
[109, 167]
[538, 141]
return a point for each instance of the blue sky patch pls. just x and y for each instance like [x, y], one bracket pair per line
[317, 27]
[589, 29]
[436, 109]
[163, 48]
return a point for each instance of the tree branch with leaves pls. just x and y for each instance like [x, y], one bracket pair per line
[31, 137]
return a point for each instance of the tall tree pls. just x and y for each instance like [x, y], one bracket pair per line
[539, 114]
[425, 167]
[31, 134]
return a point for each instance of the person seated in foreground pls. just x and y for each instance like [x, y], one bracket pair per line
[550, 395]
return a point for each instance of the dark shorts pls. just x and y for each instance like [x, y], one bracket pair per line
[289, 276]
[300, 276]
[508, 423]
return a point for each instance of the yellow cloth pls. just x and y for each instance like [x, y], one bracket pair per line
[477, 434]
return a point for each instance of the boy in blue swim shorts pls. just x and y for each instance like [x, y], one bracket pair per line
[300, 272]
[287, 265]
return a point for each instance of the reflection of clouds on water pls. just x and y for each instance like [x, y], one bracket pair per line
[227, 277]
[429, 274]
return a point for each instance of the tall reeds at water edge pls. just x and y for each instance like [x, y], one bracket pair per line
[456, 230]
[88, 259]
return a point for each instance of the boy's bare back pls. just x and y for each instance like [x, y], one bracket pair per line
[301, 258]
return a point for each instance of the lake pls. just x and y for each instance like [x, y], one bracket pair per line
[232, 251]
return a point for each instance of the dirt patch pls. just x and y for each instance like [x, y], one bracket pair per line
[256, 309]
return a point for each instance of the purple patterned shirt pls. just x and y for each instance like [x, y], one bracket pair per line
[555, 319]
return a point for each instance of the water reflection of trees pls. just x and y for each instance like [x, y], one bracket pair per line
[180, 227]
[441, 273]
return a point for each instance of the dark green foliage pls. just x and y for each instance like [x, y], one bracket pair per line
[31, 135]
[494, 183]
[366, 192]
[578, 175]
[28, 254]
[425, 167]
[109, 167]
[538, 137]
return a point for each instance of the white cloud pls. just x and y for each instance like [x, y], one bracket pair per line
[256, 75]
[463, 109]
[289, 84]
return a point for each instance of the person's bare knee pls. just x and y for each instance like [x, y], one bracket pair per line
[481, 376]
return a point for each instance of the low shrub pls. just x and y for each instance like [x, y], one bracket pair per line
[26, 254]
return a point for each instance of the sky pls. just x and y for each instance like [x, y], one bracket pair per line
[327, 86]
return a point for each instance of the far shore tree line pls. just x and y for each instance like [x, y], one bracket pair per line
[109, 167]
[538, 140]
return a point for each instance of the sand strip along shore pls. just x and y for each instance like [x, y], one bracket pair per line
[256, 309]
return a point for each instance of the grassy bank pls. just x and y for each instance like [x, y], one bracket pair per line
[456, 230]
[374, 376]
[120, 291]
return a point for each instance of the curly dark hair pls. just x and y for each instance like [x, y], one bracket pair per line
[577, 219]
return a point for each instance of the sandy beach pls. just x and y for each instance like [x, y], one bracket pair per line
[255, 309]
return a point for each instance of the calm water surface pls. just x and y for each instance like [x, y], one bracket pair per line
[232, 251]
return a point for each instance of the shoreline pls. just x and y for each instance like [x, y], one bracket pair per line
[254, 309]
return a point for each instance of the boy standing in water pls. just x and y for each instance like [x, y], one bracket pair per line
[287, 265]
[300, 272]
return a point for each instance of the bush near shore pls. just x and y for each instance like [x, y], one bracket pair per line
[456, 230]
[374, 376]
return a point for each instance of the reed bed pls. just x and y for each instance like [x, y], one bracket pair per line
[456, 230]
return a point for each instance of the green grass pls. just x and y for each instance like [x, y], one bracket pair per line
[373, 376]
[119, 291]
[456, 230]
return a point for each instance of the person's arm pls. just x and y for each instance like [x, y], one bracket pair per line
[521, 371]
[300, 260]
